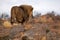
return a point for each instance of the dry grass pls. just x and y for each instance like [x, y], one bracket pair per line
[7, 24]
[43, 38]
[42, 25]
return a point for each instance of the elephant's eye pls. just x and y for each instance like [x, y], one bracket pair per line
[31, 9]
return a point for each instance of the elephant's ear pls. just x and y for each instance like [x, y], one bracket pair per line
[22, 7]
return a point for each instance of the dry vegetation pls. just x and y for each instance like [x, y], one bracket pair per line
[45, 27]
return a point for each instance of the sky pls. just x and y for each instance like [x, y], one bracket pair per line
[42, 6]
